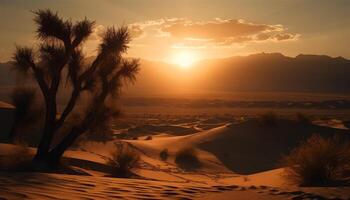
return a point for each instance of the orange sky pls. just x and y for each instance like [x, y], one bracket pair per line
[190, 30]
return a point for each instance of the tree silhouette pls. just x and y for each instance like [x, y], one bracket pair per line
[59, 58]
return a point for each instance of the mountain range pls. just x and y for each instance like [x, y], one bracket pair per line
[264, 72]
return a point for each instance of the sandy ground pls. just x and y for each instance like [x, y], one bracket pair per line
[157, 181]
[247, 172]
[58, 186]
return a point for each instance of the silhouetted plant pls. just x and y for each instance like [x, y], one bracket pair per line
[135, 138]
[74, 119]
[17, 159]
[347, 124]
[164, 154]
[27, 111]
[318, 161]
[187, 159]
[303, 119]
[60, 50]
[123, 159]
[149, 137]
[268, 118]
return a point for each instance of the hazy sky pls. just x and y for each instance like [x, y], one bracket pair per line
[163, 29]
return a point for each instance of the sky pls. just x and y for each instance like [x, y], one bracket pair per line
[190, 30]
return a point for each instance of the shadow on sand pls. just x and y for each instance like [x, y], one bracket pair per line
[251, 147]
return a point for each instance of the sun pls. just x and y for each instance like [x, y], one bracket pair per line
[185, 59]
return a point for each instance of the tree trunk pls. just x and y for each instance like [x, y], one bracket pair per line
[45, 142]
[53, 157]
[56, 153]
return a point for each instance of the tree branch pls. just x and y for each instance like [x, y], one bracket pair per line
[68, 109]
[39, 76]
[88, 72]
[76, 131]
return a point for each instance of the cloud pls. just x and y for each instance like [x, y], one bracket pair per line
[135, 30]
[97, 33]
[213, 33]
[216, 29]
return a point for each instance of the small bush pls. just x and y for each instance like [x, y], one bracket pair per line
[28, 113]
[187, 159]
[149, 137]
[303, 119]
[123, 159]
[347, 124]
[318, 161]
[164, 155]
[135, 138]
[18, 160]
[268, 119]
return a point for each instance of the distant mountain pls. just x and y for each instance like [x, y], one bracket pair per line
[258, 72]
[275, 72]
[265, 72]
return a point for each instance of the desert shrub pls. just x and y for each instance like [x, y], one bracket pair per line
[318, 161]
[123, 159]
[149, 137]
[28, 113]
[303, 119]
[347, 124]
[19, 159]
[164, 154]
[268, 119]
[187, 159]
[122, 135]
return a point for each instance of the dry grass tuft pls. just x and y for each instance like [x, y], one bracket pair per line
[164, 154]
[303, 119]
[123, 159]
[18, 160]
[187, 159]
[149, 137]
[268, 119]
[318, 161]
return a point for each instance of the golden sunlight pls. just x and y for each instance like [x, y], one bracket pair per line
[185, 59]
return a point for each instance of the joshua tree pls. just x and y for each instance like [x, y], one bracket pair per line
[59, 59]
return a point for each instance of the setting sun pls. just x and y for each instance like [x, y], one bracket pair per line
[185, 59]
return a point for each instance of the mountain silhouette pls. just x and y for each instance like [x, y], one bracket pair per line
[264, 72]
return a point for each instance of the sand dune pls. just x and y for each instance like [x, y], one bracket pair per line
[229, 155]
[148, 129]
[54, 186]
[58, 186]
[250, 147]
[246, 147]
[264, 186]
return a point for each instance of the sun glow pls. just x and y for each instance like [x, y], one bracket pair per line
[185, 59]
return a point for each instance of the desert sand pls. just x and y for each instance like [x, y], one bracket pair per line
[238, 160]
